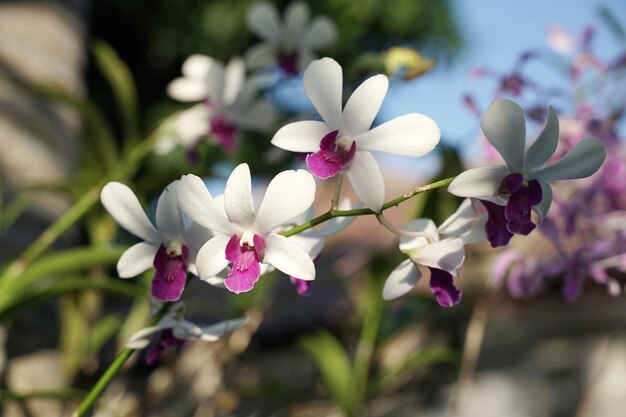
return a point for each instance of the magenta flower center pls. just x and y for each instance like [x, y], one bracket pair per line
[288, 62]
[170, 276]
[225, 132]
[333, 155]
[245, 255]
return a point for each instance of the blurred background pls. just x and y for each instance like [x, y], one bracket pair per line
[540, 330]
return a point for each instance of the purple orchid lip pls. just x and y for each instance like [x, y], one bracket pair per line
[288, 62]
[153, 355]
[170, 274]
[225, 132]
[246, 263]
[303, 288]
[442, 287]
[331, 158]
[514, 217]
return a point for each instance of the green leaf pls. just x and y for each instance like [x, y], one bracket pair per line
[120, 79]
[419, 360]
[333, 363]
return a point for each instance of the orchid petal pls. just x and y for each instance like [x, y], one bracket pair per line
[364, 104]
[141, 339]
[582, 161]
[302, 136]
[186, 89]
[214, 81]
[544, 147]
[288, 195]
[460, 220]
[238, 196]
[196, 202]
[136, 259]
[367, 180]
[169, 219]
[505, 127]
[288, 257]
[401, 280]
[546, 200]
[234, 76]
[478, 182]
[427, 226]
[311, 244]
[211, 258]
[476, 233]
[260, 55]
[321, 33]
[122, 204]
[197, 66]
[215, 331]
[323, 84]
[447, 254]
[258, 117]
[192, 124]
[263, 20]
[409, 135]
[297, 15]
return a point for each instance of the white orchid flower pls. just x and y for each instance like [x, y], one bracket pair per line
[289, 43]
[244, 236]
[440, 250]
[175, 330]
[509, 192]
[229, 103]
[170, 247]
[343, 142]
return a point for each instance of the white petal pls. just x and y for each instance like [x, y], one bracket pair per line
[260, 55]
[408, 243]
[191, 331]
[546, 200]
[192, 124]
[196, 202]
[214, 84]
[136, 259]
[367, 180]
[197, 66]
[238, 197]
[505, 127]
[288, 257]
[582, 161]
[323, 84]
[288, 195]
[165, 144]
[141, 339]
[401, 280]
[211, 258]
[302, 136]
[447, 254]
[234, 77]
[321, 33]
[364, 104]
[478, 182]
[311, 244]
[169, 218]
[543, 148]
[123, 205]
[410, 135]
[460, 220]
[186, 89]
[262, 19]
[477, 232]
[296, 17]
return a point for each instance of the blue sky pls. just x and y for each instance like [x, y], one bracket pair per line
[497, 31]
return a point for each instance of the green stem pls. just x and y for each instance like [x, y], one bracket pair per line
[365, 211]
[114, 368]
